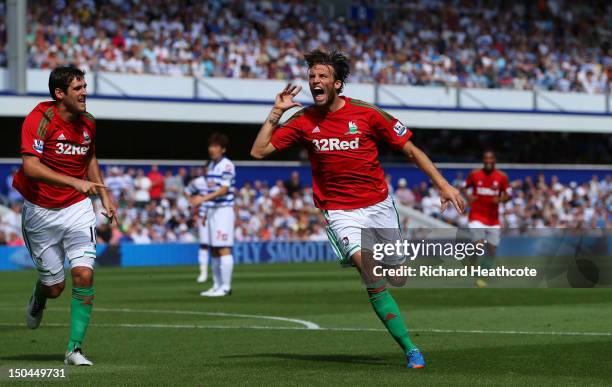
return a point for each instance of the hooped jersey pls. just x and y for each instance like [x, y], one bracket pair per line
[218, 174]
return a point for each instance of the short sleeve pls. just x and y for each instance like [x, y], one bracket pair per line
[34, 134]
[289, 132]
[90, 123]
[227, 175]
[389, 129]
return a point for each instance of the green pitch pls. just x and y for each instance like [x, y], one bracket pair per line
[151, 327]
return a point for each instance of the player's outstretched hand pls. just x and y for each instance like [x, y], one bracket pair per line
[88, 188]
[450, 194]
[284, 100]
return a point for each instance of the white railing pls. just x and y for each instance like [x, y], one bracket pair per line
[248, 101]
[227, 89]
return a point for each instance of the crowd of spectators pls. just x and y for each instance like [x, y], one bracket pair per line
[547, 44]
[535, 203]
[153, 207]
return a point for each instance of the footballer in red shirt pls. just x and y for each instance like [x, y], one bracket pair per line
[59, 174]
[486, 188]
[341, 136]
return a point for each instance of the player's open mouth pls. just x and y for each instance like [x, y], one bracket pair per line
[318, 93]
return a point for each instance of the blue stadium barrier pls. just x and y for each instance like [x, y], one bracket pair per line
[173, 254]
[167, 254]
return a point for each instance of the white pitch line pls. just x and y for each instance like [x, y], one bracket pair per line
[305, 323]
[338, 329]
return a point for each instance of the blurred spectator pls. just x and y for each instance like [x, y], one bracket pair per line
[430, 204]
[403, 195]
[115, 182]
[15, 240]
[458, 180]
[278, 189]
[157, 183]
[13, 195]
[293, 184]
[142, 185]
[173, 184]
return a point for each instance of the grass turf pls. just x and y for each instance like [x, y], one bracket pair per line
[150, 326]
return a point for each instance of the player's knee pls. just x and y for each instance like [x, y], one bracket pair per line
[397, 280]
[55, 291]
[82, 277]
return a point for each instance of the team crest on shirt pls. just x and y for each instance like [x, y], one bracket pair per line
[352, 128]
[38, 146]
[86, 138]
[399, 129]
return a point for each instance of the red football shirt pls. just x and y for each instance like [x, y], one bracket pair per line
[485, 187]
[157, 185]
[65, 147]
[341, 146]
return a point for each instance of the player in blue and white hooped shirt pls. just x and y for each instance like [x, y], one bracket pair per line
[214, 193]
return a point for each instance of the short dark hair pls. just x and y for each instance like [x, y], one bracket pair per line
[337, 60]
[218, 139]
[61, 77]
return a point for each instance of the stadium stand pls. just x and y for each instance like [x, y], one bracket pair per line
[544, 45]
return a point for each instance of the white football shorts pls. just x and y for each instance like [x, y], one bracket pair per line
[218, 228]
[344, 229]
[51, 235]
[481, 232]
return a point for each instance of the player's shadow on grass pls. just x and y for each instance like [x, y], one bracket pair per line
[371, 360]
[34, 357]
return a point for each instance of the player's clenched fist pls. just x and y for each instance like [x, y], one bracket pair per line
[87, 187]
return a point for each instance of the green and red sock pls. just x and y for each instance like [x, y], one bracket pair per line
[388, 312]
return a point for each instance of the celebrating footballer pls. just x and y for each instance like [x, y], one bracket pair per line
[341, 136]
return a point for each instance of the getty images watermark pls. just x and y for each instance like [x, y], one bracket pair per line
[406, 250]
[456, 257]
